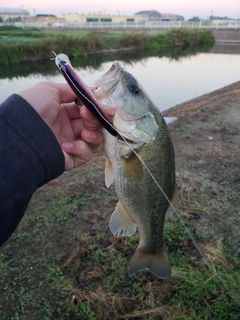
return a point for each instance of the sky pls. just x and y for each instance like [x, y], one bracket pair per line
[186, 8]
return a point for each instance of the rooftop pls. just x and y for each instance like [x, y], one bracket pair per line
[11, 9]
[146, 11]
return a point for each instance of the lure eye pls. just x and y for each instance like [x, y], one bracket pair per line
[134, 89]
[62, 62]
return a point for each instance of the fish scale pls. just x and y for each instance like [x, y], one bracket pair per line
[140, 160]
[141, 197]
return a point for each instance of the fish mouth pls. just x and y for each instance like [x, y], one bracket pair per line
[104, 100]
[107, 83]
[105, 86]
[105, 89]
[133, 123]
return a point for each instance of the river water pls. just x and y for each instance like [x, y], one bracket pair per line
[169, 79]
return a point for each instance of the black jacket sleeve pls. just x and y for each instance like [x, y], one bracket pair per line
[30, 156]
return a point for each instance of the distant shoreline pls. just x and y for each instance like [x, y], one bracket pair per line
[30, 44]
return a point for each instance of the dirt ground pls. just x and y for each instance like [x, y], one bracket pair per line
[206, 138]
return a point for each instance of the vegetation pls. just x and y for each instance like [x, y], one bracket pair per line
[181, 38]
[19, 45]
[195, 19]
[48, 67]
[63, 262]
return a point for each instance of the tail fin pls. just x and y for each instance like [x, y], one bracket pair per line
[157, 263]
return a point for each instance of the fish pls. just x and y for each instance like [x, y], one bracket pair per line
[140, 162]
[142, 205]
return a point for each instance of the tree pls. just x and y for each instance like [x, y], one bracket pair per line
[194, 19]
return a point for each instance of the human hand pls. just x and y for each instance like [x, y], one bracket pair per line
[75, 128]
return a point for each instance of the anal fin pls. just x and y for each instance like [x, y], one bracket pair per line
[121, 222]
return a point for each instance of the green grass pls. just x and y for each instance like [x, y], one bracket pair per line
[52, 269]
[19, 45]
[63, 262]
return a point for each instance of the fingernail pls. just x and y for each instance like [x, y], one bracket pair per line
[67, 145]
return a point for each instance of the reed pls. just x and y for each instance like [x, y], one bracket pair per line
[21, 45]
[180, 38]
[127, 40]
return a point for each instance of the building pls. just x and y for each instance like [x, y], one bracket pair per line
[155, 16]
[47, 18]
[149, 15]
[13, 13]
[171, 17]
[98, 17]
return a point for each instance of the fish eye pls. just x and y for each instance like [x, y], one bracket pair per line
[134, 88]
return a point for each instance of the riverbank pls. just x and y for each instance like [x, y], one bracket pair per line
[64, 253]
[20, 45]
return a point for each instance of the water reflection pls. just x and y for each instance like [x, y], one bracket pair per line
[169, 77]
[94, 61]
[225, 48]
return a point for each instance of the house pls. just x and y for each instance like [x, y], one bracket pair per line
[155, 16]
[149, 15]
[13, 13]
[98, 17]
[171, 17]
[43, 18]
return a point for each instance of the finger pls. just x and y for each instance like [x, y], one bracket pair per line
[91, 121]
[76, 153]
[72, 110]
[94, 138]
[66, 94]
[88, 135]
[77, 127]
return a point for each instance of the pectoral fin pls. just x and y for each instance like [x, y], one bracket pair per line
[121, 222]
[157, 263]
[109, 175]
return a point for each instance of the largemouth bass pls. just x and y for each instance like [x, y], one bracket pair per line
[142, 205]
[142, 150]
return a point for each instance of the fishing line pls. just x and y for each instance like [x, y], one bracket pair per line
[208, 263]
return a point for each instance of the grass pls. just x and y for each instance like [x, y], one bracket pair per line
[19, 45]
[180, 37]
[63, 263]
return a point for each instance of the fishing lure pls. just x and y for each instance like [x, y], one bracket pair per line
[82, 91]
